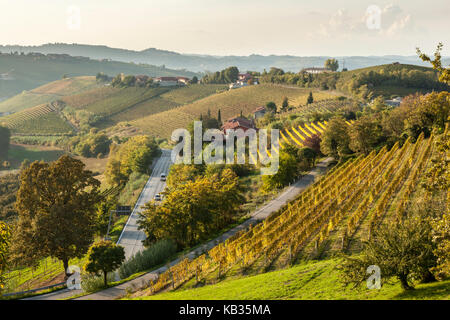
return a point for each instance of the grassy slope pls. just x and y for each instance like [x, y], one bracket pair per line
[230, 103]
[312, 280]
[47, 93]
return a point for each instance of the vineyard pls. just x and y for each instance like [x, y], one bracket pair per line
[332, 215]
[297, 135]
[47, 93]
[230, 103]
[39, 120]
[324, 106]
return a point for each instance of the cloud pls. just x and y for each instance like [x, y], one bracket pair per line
[389, 21]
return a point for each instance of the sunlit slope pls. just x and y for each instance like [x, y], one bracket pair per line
[333, 215]
[48, 92]
[230, 103]
[40, 120]
[315, 280]
[115, 105]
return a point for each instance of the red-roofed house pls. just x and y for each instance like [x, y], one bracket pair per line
[259, 112]
[238, 123]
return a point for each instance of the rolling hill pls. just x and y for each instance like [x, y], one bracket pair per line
[48, 93]
[230, 103]
[25, 72]
[201, 63]
[38, 112]
[40, 120]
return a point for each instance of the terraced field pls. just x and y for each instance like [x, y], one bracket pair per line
[40, 120]
[231, 103]
[47, 93]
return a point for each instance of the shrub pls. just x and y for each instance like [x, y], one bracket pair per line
[150, 257]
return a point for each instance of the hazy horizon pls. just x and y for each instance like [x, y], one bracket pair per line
[211, 27]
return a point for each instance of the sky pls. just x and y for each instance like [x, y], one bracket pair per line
[233, 27]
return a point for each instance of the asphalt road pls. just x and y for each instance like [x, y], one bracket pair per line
[120, 290]
[131, 238]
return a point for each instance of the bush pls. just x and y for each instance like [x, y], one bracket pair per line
[156, 254]
[93, 283]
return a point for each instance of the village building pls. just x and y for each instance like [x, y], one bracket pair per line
[315, 70]
[259, 112]
[394, 102]
[171, 81]
[238, 123]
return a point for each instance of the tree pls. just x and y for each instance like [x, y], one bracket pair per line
[5, 234]
[104, 256]
[287, 171]
[335, 138]
[436, 63]
[219, 117]
[313, 142]
[285, 104]
[135, 155]
[365, 134]
[192, 209]
[5, 136]
[310, 98]
[332, 64]
[271, 106]
[56, 206]
[402, 249]
[194, 80]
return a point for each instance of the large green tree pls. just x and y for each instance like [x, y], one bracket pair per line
[287, 171]
[365, 134]
[403, 249]
[335, 138]
[56, 205]
[192, 209]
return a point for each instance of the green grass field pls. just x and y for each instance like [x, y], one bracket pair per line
[314, 280]
[231, 103]
[18, 153]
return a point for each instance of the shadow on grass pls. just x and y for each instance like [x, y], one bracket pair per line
[436, 290]
[18, 153]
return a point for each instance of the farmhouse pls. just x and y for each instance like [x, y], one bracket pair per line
[238, 123]
[394, 102]
[244, 77]
[259, 112]
[171, 81]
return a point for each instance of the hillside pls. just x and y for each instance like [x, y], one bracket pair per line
[333, 216]
[48, 93]
[313, 280]
[25, 72]
[113, 105]
[201, 63]
[40, 120]
[230, 103]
